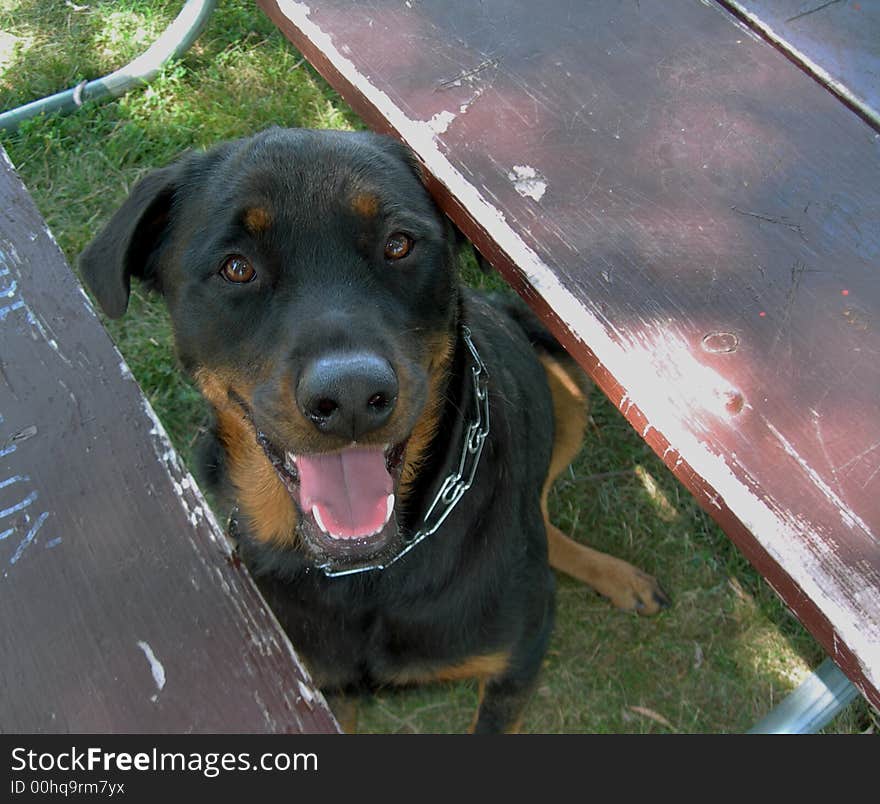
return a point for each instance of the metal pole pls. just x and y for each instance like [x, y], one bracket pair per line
[173, 43]
[812, 706]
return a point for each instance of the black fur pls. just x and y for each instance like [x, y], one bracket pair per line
[481, 585]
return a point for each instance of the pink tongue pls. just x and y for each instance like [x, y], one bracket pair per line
[347, 490]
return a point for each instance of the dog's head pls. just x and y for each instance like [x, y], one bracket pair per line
[311, 286]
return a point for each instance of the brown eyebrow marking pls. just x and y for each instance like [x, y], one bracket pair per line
[365, 204]
[257, 220]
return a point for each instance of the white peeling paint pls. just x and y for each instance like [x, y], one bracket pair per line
[186, 489]
[156, 668]
[90, 308]
[9, 260]
[798, 550]
[48, 232]
[441, 121]
[528, 182]
[271, 723]
[307, 695]
[45, 333]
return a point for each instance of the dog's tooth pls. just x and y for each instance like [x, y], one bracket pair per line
[389, 502]
[317, 515]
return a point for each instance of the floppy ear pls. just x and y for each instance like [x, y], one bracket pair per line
[130, 242]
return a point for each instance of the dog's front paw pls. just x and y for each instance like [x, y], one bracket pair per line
[631, 589]
[626, 586]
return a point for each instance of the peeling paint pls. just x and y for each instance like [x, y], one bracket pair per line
[90, 309]
[156, 668]
[307, 695]
[10, 291]
[441, 121]
[528, 182]
[182, 483]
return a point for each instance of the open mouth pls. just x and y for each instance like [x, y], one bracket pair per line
[345, 499]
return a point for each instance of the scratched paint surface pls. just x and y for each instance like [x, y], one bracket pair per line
[697, 219]
[837, 39]
[123, 611]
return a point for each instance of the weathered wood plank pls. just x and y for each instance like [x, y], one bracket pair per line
[122, 610]
[695, 217]
[838, 42]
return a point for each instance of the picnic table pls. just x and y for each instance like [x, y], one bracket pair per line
[688, 192]
[124, 610]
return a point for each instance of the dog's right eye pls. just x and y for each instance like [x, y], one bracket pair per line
[237, 269]
[398, 246]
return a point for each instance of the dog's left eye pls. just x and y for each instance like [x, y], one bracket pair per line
[237, 269]
[398, 246]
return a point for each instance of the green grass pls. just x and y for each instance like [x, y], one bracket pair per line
[718, 660]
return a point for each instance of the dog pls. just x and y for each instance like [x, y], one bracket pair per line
[389, 437]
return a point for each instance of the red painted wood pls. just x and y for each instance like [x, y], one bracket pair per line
[122, 609]
[696, 218]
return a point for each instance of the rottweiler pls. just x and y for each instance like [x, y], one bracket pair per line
[388, 436]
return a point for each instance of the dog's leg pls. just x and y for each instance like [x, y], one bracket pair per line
[503, 697]
[625, 585]
[506, 677]
[501, 707]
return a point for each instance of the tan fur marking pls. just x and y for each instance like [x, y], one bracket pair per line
[570, 409]
[488, 665]
[262, 497]
[557, 375]
[365, 204]
[257, 220]
[426, 427]
[625, 585]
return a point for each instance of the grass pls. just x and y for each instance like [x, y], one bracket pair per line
[717, 661]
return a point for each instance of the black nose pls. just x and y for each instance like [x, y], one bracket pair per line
[348, 394]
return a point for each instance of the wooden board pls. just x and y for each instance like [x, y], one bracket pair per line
[838, 42]
[122, 609]
[696, 219]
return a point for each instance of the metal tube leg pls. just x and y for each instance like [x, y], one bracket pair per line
[174, 42]
[812, 706]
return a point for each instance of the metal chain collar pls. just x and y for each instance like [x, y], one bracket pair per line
[454, 486]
